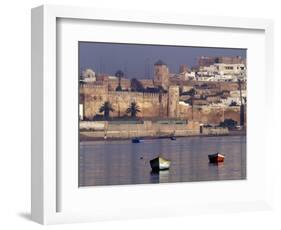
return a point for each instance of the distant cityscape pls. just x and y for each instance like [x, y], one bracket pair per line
[208, 93]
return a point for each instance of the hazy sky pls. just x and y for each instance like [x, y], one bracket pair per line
[137, 60]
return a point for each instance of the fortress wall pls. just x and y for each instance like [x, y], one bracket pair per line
[93, 97]
[209, 115]
[233, 113]
[150, 104]
[173, 101]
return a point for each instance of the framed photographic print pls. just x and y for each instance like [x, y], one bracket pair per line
[134, 112]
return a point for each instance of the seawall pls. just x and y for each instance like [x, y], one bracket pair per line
[91, 130]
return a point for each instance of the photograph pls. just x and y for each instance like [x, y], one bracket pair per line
[151, 113]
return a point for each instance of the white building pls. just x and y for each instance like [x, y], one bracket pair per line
[184, 76]
[235, 97]
[88, 75]
[230, 69]
[222, 72]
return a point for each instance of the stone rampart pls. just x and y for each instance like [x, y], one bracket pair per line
[94, 129]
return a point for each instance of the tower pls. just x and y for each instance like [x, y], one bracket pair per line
[173, 101]
[161, 74]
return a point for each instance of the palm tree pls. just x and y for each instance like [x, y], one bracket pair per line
[106, 108]
[192, 93]
[133, 109]
[119, 74]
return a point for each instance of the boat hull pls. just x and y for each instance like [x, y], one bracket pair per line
[216, 158]
[136, 140]
[160, 163]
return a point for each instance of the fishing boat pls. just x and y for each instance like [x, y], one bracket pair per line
[173, 138]
[160, 163]
[216, 158]
[136, 140]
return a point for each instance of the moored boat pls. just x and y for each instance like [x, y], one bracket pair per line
[160, 163]
[216, 158]
[173, 138]
[136, 140]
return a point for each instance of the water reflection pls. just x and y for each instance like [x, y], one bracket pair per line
[159, 177]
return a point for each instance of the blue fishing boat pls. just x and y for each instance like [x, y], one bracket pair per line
[136, 140]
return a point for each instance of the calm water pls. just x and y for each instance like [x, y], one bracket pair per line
[122, 162]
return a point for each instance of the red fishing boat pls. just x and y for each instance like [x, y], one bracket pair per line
[216, 158]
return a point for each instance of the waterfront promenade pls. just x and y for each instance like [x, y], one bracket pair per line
[90, 130]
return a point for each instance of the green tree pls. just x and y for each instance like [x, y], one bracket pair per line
[106, 108]
[133, 109]
[233, 103]
[119, 74]
[192, 93]
[228, 123]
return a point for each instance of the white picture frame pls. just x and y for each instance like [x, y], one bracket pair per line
[46, 181]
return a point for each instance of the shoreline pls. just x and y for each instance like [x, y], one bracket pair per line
[231, 133]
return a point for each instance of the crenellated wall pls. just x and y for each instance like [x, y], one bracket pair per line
[150, 104]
